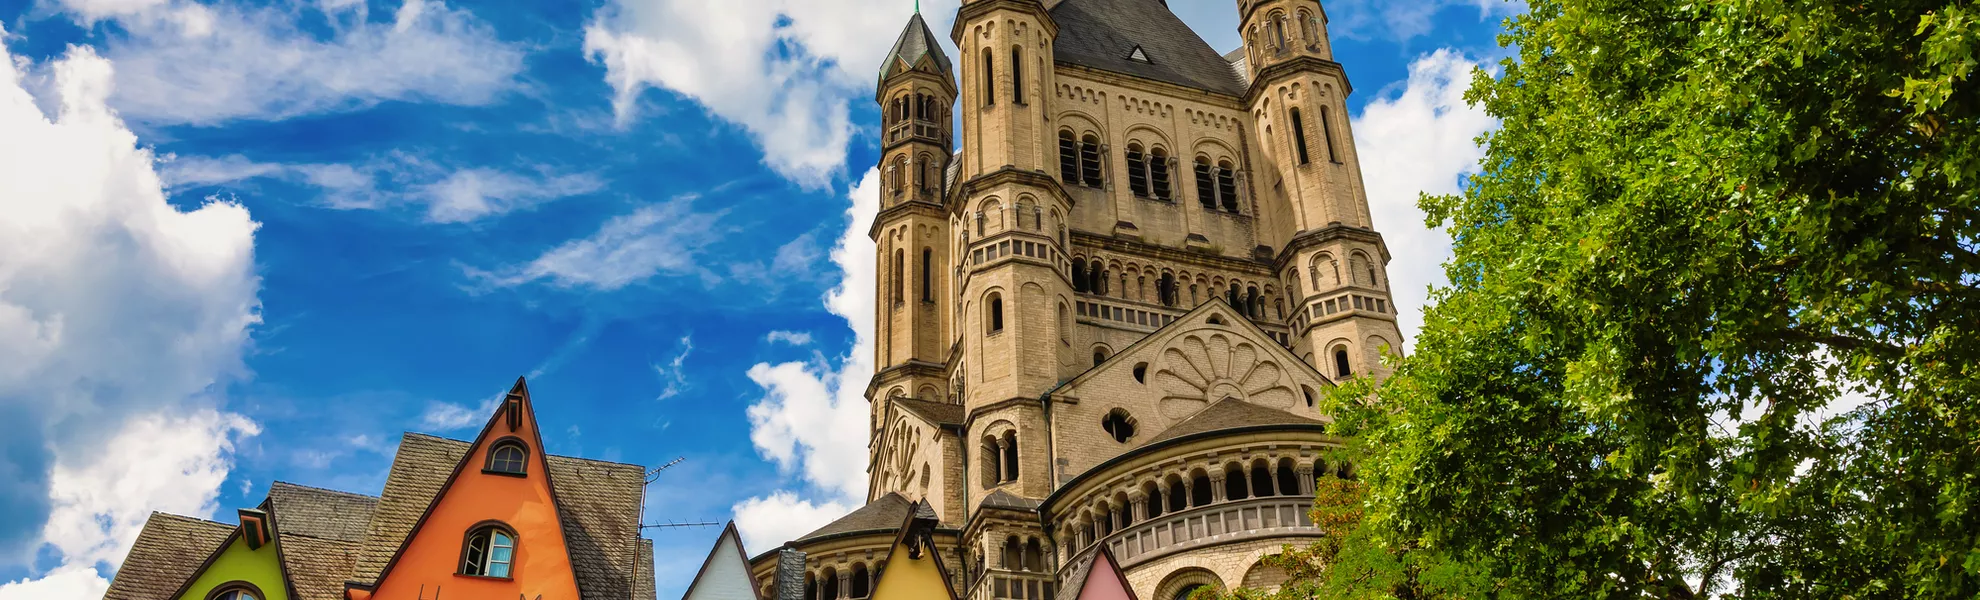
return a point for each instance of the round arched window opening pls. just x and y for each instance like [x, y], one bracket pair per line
[1119, 425]
[1141, 372]
[490, 552]
[1309, 395]
[509, 457]
[1184, 594]
[237, 590]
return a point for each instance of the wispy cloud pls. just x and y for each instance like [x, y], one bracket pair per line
[674, 372]
[794, 338]
[438, 193]
[180, 61]
[659, 239]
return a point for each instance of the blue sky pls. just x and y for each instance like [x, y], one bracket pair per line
[243, 242]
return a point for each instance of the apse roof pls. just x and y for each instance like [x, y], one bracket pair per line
[1105, 35]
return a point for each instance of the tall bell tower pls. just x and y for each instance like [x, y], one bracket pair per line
[1334, 263]
[916, 89]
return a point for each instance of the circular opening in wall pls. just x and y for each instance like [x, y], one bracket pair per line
[1118, 425]
[1309, 395]
[1216, 320]
[1141, 373]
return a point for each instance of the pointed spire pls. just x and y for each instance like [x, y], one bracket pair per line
[916, 44]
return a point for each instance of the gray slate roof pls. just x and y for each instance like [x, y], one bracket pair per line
[1230, 413]
[1102, 34]
[886, 513]
[939, 413]
[1001, 499]
[916, 42]
[167, 552]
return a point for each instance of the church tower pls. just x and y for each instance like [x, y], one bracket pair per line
[1334, 263]
[1010, 217]
[911, 233]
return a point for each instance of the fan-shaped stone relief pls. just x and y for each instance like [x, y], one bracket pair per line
[1201, 368]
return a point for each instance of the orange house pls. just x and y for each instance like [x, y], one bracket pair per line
[492, 530]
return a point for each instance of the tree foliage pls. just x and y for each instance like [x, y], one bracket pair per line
[1713, 328]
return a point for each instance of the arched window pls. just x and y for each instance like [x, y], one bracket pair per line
[1123, 511]
[1254, 305]
[995, 319]
[1065, 325]
[1306, 32]
[1235, 297]
[1187, 591]
[1199, 490]
[1288, 478]
[861, 585]
[993, 462]
[1227, 186]
[1154, 501]
[1279, 31]
[898, 278]
[1327, 132]
[1261, 479]
[1206, 184]
[508, 457]
[1178, 494]
[1079, 275]
[979, 223]
[1017, 75]
[238, 590]
[1010, 456]
[1089, 160]
[1299, 136]
[1099, 356]
[1068, 158]
[1137, 171]
[1099, 283]
[490, 551]
[1034, 556]
[1158, 172]
[927, 275]
[989, 79]
[830, 591]
[1037, 218]
[1166, 288]
[1235, 487]
[1341, 362]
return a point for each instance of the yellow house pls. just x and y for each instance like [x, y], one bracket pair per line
[913, 569]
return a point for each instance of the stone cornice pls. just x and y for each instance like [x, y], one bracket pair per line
[911, 368]
[1163, 253]
[1267, 76]
[1150, 86]
[903, 208]
[974, 10]
[1009, 175]
[1315, 237]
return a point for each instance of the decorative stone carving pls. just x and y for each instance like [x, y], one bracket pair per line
[1210, 365]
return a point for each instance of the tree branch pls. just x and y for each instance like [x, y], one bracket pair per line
[1841, 341]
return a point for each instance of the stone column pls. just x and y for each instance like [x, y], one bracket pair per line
[1217, 485]
[1305, 470]
[1139, 500]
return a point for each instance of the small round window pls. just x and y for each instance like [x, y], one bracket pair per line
[1118, 425]
[237, 591]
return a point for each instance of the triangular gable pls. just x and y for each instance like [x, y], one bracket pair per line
[475, 496]
[1103, 579]
[725, 575]
[1212, 311]
[237, 560]
[914, 569]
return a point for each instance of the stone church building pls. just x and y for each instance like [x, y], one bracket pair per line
[1105, 316]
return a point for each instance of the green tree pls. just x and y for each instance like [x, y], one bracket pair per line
[1714, 321]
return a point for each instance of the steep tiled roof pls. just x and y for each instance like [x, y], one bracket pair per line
[887, 513]
[317, 567]
[167, 552]
[1240, 66]
[939, 413]
[321, 535]
[1229, 413]
[600, 503]
[916, 43]
[1103, 34]
[320, 513]
[1006, 500]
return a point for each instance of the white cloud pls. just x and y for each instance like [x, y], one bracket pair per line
[471, 194]
[109, 400]
[674, 373]
[794, 338]
[1400, 20]
[786, 71]
[446, 196]
[1413, 142]
[180, 61]
[159, 462]
[443, 416]
[64, 583]
[657, 239]
[812, 418]
[768, 522]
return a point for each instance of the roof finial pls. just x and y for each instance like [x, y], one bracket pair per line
[917, 7]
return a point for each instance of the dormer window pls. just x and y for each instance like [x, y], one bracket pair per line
[509, 457]
[1138, 55]
[238, 590]
[490, 552]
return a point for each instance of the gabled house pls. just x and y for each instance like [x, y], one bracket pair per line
[495, 517]
[725, 575]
